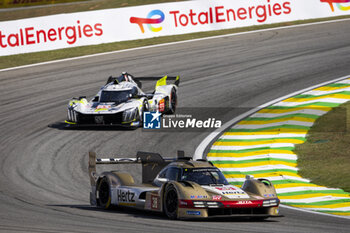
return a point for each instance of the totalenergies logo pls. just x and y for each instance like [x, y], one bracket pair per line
[338, 3]
[149, 21]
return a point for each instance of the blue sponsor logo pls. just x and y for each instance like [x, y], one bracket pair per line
[199, 196]
[151, 120]
[191, 212]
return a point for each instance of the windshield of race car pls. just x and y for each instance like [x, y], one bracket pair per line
[204, 176]
[115, 96]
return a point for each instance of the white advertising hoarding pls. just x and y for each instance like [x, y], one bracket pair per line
[122, 24]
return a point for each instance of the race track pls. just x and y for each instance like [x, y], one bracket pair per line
[44, 185]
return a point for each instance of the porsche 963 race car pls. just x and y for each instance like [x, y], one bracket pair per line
[122, 102]
[181, 188]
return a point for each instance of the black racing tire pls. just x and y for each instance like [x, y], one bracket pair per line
[171, 202]
[145, 108]
[104, 194]
[173, 101]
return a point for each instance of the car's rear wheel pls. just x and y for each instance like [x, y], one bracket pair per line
[173, 101]
[171, 202]
[104, 193]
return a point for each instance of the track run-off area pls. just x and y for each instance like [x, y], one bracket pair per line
[263, 145]
[44, 184]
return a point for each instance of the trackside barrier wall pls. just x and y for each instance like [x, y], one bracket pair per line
[140, 22]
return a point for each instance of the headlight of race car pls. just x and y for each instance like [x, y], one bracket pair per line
[72, 115]
[129, 115]
[272, 202]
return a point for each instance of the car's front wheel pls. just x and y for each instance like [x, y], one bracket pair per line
[104, 193]
[145, 108]
[171, 202]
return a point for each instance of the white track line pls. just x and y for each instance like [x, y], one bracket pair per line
[199, 153]
[174, 43]
[313, 212]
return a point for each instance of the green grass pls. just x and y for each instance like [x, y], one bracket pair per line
[26, 12]
[31, 58]
[325, 156]
[16, 4]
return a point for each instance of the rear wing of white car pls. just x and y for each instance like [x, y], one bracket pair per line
[163, 80]
[160, 80]
[152, 164]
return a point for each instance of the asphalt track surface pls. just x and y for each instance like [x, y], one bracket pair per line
[44, 185]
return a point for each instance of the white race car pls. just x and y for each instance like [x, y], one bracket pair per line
[122, 102]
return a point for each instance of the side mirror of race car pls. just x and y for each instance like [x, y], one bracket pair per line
[95, 99]
[148, 96]
[160, 181]
[163, 180]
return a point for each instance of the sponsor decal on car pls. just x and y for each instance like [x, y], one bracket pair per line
[191, 212]
[244, 202]
[103, 106]
[225, 188]
[198, 196]
[257, 197]
[125, 196]
[162, 105]
[155, 202]
[217, 197]
[228, 191]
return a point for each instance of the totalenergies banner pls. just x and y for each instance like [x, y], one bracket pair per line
[122, 24]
